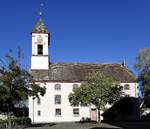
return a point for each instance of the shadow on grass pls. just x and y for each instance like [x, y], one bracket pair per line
[42, 125]
[132, 124]
[103, 128]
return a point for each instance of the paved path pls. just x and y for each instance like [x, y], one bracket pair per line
[77, 126]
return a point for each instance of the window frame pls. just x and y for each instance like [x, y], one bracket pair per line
[58, 113]
[38, 101]
[38, 113]
[57, 100]
[76, 112]
[57, 87]
[126, 87]
[40, 50]
[127, 95]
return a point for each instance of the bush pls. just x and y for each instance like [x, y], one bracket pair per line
[22, 121]
[3, 121]
[145, 117]
[3, 124]
[17, 121]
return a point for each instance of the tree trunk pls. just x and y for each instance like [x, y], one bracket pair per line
[99, 115]
[9, 120]
[9, 114]
[142, 103]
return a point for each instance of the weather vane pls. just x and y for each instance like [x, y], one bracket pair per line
[40, 13]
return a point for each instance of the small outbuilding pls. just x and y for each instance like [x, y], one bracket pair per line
[127, 109]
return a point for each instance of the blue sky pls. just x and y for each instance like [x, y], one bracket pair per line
[97, 31]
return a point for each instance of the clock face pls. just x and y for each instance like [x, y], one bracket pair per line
[39, 38]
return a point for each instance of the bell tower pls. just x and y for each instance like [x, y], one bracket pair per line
[40, 45]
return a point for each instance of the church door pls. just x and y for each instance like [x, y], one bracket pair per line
[93, 114]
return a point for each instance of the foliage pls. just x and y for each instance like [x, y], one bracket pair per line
[22, 121]
[145, 117]
[143, 60]
[16, 84]
[3, 121]
[16, 122]
[142, 65]
[21, 111]
[98, 90]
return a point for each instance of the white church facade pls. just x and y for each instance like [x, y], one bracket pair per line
[60, 79]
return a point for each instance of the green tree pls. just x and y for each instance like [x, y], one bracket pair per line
[98, 90]
[142, 65]
[16, 85]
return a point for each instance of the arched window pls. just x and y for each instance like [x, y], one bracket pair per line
[75, 86]
[57, 87]
[126, 87]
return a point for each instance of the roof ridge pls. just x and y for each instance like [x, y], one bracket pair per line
[92, 63]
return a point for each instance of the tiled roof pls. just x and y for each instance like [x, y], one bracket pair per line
[40, 27]
[77, 72]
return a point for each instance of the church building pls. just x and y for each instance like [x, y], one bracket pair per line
[60, 79]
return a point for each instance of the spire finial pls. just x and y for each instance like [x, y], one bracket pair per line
[41, 13]
[124, 63]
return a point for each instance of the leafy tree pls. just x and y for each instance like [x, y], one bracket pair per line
[16, 85]
[98, 90]
[142, 65]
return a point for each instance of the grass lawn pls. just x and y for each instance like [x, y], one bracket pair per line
[116, 125]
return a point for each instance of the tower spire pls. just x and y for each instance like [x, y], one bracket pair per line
[40, 26]
[124, 63]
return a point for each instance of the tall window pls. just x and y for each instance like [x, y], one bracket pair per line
[57, 99]
[39, 113]
[40, 49]
[38, 101]
[57, 87]
[58, 112]
[126, 87]
[127, 95]
[76, 111]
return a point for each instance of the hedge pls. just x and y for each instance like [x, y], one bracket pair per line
[17, 121]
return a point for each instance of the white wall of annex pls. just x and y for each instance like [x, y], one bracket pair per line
[133, 90]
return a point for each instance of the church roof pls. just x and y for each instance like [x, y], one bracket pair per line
[77, 72]
[40, 27]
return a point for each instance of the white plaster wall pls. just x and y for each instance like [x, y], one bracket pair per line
[39, 62]
[35, 43]
[48, 106]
